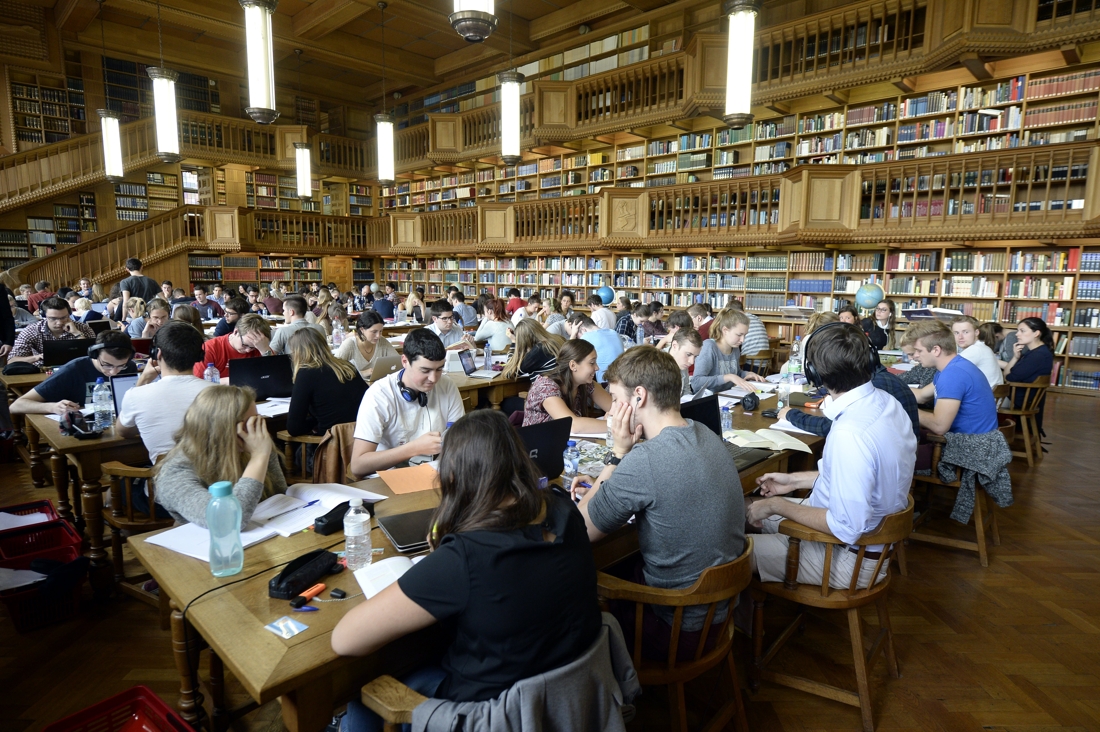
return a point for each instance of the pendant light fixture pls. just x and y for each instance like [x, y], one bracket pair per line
[742, 34]
[261, 60]
[164, 104]
[511, 86]
[383, 121]
[109, 133]
[302, 151]
[474, 20]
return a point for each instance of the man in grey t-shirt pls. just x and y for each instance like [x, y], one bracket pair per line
[681, 483]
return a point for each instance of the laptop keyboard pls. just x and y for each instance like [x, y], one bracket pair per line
[746, 457]
[737, 451]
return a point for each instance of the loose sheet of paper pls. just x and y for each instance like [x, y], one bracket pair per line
[409, 480]
[12, 578]
[788, 427]
[272, 408]
[194, 540]
[11, 521]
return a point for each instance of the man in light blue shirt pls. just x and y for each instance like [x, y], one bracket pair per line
[862, 477]
[609, 345]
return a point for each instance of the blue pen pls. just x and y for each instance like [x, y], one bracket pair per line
[296, 508]
[581, 485]
[306, 609]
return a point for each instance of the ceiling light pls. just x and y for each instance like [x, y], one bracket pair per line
[474, 20]
[742, 34]
[261, 61]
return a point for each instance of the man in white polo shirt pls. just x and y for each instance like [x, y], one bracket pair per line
[601, 316]
[402, 417]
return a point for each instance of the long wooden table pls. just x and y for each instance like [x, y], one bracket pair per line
[19, 385]
[310, 679]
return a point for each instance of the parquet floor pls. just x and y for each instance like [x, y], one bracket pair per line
[1011, 648]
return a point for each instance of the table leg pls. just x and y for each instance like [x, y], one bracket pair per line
[183, 635]
[496, 396]
[92, 500]
[60, 469]
[34, 451]
[217, 692]
[308, 708]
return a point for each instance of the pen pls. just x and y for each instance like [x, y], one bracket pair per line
[296, 508]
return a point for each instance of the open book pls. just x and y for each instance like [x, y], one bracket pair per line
[377, 576]
[766, 439]
[303, 502]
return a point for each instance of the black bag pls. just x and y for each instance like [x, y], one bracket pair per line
[21, 368]
[301, 574]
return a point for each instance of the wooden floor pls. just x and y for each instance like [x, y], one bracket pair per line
[1012, 647]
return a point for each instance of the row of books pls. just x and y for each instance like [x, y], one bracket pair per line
[1084, 346]
[1087, 289]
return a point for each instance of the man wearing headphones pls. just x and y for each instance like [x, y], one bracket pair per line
[862, 477]
[402, 417]
[70, 387]
[154, 408]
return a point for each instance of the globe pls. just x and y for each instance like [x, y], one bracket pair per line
[606, 294]
[869, 295]
[374, 287]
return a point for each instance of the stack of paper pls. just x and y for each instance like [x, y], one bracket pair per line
[194, 540]
[294, 512]
[12, 521]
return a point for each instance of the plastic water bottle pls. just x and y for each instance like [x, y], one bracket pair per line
[211, 374]
[337, 333]
[223, 520]
[610, 439]
[357, 545]
[488, 356]
[351, 306]
[727, 420]
[784, 390]
[103, 403]
[572, 459]
[639, 335]
[794, 363]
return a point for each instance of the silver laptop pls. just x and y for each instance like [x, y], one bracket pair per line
[466, 358]
[383, 367]
[119, 386]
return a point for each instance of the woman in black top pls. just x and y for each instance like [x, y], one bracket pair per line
[880, 326]
[1031, 358]
[327, 390]
[511, 573]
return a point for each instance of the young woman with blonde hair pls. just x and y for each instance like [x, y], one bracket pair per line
[718, 366]
[536, 350]
[413, 306]
[327, 390]
[222, 438]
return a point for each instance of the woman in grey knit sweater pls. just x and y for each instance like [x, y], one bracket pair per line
[718, 366]
[222, 438]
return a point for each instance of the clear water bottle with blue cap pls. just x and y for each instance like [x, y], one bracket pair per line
[572, 459]
[727, 420]
[103, 404]
[223, 521]
[211, 374]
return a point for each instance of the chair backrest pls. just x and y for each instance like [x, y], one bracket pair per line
[1007, 427]
[1030, 395]
[894, 528]
[123, 514]
[333, 455]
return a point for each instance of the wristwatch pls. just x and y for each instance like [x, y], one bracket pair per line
[610, 459]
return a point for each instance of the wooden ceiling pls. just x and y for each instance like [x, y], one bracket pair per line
[341, 40]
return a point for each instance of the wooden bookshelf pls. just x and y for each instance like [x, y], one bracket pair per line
[212, 187]
[46, 108]
[162, 191]
[129, 90]
[131, 202]
[72, 221]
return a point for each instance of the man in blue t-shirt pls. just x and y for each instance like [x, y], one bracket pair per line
[70, 387]
[609, 345]
[964, 400]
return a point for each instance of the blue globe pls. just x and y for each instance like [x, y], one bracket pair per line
[606, 294]
[869, 295]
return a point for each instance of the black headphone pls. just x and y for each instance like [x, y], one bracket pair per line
[812, 374]
[95, 350]
[410, 394]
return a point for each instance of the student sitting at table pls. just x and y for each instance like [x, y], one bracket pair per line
[294, 314]
[863, 475]
[56, 325]
[609, 345]
[334, 314]
[155, 407]
[536, 351]
[511, 573]
[70, 387]
[444, 326]
[402, 416]
[881, 378]
[550, 312]
[184, 313]
[963, 398]
[685, 348]
[529, 310]
[157, 312]
[495, 332]
[251, 338]
[233, 309]
[570, 390]
[83, 312]
[384, 307]
[208, 308]
[970, 346]
[222, 438]
[366, 346]
[680, 484]
[1031, 358]
[653, 325]
[848, 314]
[756, 340]
[600, 314]
[515, 301]
[22, 318]
[465, 315]
[327, 390]
[414, 306]
[701, 319]
[676, 321]
[719, 364]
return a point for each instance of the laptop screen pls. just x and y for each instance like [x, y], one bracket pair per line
[466, 358]
[705, 411]
[99, 307]
[119, 386]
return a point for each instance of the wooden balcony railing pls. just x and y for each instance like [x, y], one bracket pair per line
[278, 230]
[450, 227]
[225, 139]
[723, 208]
[410, 148]
[558, 220]
[343, 155]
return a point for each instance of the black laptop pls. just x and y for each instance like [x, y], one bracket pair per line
[408, 532]
[98, 326]
[706, 412]
[59, 353]
[269, 376]
[545, 443]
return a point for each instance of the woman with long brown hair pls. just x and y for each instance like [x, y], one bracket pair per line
[511, 571]
[536, 350]
[366, 346]
[327, 390]
[495, 331]
[222, 438]
[570, 390]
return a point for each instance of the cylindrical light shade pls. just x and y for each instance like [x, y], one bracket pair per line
[474, 20]
[742, 19]
[302, 169]
[112, 144]
[511, 85]
[384, 132]
[261, 61]
[164, 103]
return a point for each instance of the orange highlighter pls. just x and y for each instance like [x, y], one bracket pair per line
[308, 595]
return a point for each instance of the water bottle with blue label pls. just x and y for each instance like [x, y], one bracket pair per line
[103, 404]
[727, 420]
[572, 459]
[211, 374]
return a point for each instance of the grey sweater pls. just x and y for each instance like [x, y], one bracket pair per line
[182, 494]
[712, 366]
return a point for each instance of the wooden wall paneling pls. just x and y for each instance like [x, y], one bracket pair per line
[338, 270]
[496, 223]
[223, 226]
[555, 104]
[445, 133]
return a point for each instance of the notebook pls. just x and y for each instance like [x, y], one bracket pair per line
[290, 513]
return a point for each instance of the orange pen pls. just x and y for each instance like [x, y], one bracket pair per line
[308, 595]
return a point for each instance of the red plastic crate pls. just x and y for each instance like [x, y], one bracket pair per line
[28, 610]
[135, 710]
[25, 509]
[31, 541]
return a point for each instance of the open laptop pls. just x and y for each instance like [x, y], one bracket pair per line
[98, 326]
[269, 376]
[119, 386]
[545, 443]
[383, 367]
[466, 358]
[59, 353]
[408, 532]
[99, 307]
[142, 345]
[705, 411]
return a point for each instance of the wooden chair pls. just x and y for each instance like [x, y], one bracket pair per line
[760, 362]
[289, 441]
[1031, 398]
[893, 530]
[123, 517]
[985, 513]
[715, 585]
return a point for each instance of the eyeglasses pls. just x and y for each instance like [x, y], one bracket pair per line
[111, 367]
[446, 318]
[61, 320]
